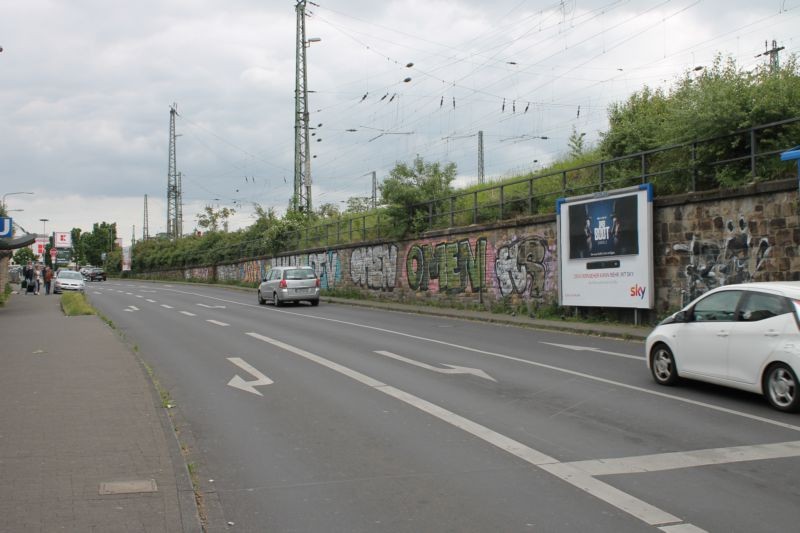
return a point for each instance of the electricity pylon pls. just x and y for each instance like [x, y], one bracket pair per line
[301, 200]
[174, 204]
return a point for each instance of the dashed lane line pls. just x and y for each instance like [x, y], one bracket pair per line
[217, 322]
[590, 377]
[187, 313]
[165, 306]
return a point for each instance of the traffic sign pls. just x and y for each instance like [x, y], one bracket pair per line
[6, 227]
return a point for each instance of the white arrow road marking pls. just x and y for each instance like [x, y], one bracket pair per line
[165, 306]
[217, 322]
[452, 370]
[628, 503]
[593, 349]
[132, 308]
[249, 386]
[187, 313]
[212, 306]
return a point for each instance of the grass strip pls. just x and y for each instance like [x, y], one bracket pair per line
[74, 304]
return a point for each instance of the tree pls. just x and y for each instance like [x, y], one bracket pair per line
[358, 204]
[409, 186]
[211, 219]
[327, 210]
[576, 143]
[24, 256]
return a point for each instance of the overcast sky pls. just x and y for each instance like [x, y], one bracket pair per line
[86, 87]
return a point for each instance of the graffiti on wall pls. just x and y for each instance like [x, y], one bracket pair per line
[735, 259]
[374, 267]
[451, 267]
[248, 271]
[326, 264]
[199, 273]
[525, 267]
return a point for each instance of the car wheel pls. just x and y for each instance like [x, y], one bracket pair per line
[261, 301]
[275, 300]
[315, 302]
[662, 365]
[780, 388]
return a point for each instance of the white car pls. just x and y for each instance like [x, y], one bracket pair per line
[745, 336]
[68, 280]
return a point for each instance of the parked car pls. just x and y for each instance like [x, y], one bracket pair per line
[744, 336]
[68, 280]
[96, 274]
[289, 284]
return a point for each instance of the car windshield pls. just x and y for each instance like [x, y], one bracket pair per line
[68, 274]
[300, 273]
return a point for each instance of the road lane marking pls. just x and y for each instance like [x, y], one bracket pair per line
[187, 313]
[593, 349]
[621, 500]
[212, 306]
[139, 296]
[675, 460]
[129, 293]
[151, 301]
[518, 360]
[452, 370]
[165, 306]
[217, 322]
[248, 386]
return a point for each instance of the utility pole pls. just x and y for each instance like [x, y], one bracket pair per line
[174, 221]
[481, 178]
[133, 235]
[146, 225]
[374, 189]
[774, 63]
[301, 200]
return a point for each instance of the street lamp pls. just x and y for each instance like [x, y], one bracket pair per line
[9, 194]
[44, 225]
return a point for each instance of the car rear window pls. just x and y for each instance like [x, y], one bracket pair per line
[300, 273]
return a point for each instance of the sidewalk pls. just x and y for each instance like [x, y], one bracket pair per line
[84, 444]
[621, 331]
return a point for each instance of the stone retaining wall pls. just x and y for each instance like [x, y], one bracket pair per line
[700, 241]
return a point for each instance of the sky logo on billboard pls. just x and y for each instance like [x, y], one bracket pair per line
[638, 290]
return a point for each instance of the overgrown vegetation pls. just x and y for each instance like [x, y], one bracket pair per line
[74, 303]
[4, 294]
[696, 135]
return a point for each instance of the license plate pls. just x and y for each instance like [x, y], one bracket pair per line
[303, 291]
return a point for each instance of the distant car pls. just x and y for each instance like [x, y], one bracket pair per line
[289, 284]
[96, 274]
[68, 280]
[744, 336]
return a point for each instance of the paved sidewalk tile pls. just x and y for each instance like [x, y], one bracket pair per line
[76, 411]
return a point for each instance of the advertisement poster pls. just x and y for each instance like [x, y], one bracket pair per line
[62, 239]
[605, 248]
[39, 246]
[126, 258]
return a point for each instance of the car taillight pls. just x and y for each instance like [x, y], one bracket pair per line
[282, 284]
[317, 283]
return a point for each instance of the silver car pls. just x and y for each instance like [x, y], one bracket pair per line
[289, 284]
[68, 280]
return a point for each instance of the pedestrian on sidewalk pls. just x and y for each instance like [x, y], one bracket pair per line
[37, 274]
[27, 276]
[48, 279]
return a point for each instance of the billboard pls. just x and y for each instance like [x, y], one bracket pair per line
[62, 239]
[606, 249]
[39, 246]
[126, 258]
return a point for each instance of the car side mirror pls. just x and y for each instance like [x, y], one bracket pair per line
[264, 279]
[681, 316]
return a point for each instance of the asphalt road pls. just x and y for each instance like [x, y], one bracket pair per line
[352, 419]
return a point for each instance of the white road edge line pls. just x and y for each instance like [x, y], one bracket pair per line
[642, 510]
[520, 360]
[217, 322]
